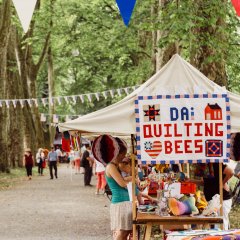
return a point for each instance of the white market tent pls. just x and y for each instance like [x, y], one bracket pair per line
[176, 77]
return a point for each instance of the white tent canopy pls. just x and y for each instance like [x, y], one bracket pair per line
[176, 77]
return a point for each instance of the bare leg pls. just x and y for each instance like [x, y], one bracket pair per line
[122, 235]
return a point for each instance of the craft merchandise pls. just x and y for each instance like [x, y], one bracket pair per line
[186, 207]
[163, 209]
[201, 202]
[213, 206]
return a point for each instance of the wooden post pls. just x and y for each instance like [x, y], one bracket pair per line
[134, 209]
[188, 170]
[221, 190]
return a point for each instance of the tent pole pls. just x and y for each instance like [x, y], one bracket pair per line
[221, 191]
[134, 213]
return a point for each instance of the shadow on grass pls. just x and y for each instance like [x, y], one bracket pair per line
[17, 175]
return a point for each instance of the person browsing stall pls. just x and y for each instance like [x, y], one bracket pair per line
[126, 169]
[87, 163]
[52, 159]
[100, 173]
[121, 207]
[211, 187]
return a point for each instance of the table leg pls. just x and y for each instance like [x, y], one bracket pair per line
[148, 231]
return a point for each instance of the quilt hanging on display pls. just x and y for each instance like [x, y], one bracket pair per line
[183, 128]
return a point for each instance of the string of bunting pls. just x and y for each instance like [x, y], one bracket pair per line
[56, 117]
[68, 99]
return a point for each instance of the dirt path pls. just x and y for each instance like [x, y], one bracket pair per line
[58, 209]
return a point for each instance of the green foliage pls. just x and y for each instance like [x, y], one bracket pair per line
[107, 54]
[94, 51]
[204, 28]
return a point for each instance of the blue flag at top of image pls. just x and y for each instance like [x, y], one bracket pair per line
[126, 9]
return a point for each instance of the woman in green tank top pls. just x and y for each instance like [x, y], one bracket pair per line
[121, 207]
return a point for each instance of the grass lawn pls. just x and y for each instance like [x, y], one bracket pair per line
[8, 180]
[235, 217]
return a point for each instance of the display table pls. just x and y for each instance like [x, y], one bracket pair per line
[153, 219]
[211, 234]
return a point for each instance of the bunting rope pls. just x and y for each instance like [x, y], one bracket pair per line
[68, 99]
[56, 117]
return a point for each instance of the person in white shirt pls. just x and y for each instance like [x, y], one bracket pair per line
[77, 161]
[101, 181]
[40, 158]
[59, 154]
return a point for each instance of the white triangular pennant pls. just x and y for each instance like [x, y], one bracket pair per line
[89, 97]
[104, 94]
[126, 90]
[35, 102]
[44, 101]
[82, 99]
[111, 93]
[59, 99]
[66, 99]
[7, 103]
[51, 101]
[55, 118]
[43, 118]
[14, 102]
[119, 92]
[29, 102]
[25, 9]
[97, 96]
[74, 98]
[21, 102]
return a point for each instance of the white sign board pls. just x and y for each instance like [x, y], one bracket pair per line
[183, 128]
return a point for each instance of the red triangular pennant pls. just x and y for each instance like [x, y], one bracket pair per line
[236, 4]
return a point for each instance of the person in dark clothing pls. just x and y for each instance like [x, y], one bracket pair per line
[211, 184]
[52, 158]
[211, 187]
[28, 162]
[87, 163]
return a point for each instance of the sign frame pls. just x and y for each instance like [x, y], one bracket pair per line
[225, 158]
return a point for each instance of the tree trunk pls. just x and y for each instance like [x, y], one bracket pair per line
[28, 70]
[51, 79]
[163, 55]
[50, 92]
[214, 69]
[14, 126]
[5, 21]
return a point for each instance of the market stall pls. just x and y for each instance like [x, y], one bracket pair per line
[177, 129]
[179, 116]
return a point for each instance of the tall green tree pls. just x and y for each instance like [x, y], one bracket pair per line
[204, 33]
[5, 21]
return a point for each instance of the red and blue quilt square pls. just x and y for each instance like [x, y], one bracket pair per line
[214, 148]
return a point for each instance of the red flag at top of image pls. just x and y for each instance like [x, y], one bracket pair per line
[236, 4]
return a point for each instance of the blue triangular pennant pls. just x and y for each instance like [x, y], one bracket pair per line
[126, 9]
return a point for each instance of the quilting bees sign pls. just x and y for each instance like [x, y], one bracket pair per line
[183, 128]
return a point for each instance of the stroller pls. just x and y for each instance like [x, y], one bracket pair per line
[108, 192]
